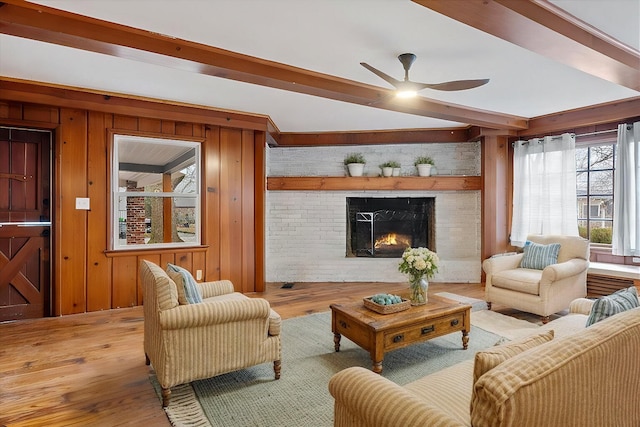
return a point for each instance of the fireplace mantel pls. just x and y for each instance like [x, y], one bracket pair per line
[406, 183]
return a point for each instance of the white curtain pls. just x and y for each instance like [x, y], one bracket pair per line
[544, 188]
[626, 192]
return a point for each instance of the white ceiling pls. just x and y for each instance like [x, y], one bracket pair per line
[331, 37]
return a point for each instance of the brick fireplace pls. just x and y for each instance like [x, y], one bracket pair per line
[383, 227]
[307, 231]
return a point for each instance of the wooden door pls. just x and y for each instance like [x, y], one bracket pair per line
[24, 223]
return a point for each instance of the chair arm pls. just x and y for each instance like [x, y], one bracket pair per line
[555, 272]
[501, 263]
[214, 312]
[584, 305]
[581, 306]
[218, 287]
[375, 401]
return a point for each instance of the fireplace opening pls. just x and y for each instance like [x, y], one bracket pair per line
[384, 227]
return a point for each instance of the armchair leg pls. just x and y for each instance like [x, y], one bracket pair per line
[276, 368]
[488, 305]
[147, 361]
[545, 319]
[166, 396]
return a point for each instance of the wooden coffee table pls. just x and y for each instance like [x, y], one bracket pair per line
[380, 333]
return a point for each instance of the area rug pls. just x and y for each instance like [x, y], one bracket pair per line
[499, 324]
[251, 397]
[475, 303]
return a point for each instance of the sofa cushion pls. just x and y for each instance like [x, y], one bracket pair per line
[524, 280]
[608, 305]
[447, 389]
[539, 256]
[188, 290]
[490, 358]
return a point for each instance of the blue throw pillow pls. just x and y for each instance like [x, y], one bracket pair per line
[538, 256]
[191, 289]
[617, 302]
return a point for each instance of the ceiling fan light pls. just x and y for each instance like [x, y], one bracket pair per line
[406, 93]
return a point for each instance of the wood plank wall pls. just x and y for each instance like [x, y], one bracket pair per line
[87, 276]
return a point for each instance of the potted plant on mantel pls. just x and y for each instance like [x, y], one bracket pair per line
[424, 164]
[388, 167]
[355, 163]
[396, 169]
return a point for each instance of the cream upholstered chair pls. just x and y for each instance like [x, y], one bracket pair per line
[543, 291]
[225, 332]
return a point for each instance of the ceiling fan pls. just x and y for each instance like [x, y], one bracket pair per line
[408, 88]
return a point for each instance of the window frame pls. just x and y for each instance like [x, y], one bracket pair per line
[588, 195]
[116, 194]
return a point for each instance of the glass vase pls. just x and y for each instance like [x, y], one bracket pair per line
[418, 289]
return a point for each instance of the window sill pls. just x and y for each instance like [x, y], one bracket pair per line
[164, 250]
[615, 270]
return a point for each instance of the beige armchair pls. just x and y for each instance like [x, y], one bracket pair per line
[543, 292]
[226, 332]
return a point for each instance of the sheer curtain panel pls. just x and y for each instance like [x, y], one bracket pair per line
[626, 192]
[544, 188]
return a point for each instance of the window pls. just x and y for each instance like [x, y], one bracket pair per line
[155, 192]
[594, 168]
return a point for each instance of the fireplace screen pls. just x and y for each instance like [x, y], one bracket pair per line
[385, 227]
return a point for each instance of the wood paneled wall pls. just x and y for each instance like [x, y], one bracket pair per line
[87, 276]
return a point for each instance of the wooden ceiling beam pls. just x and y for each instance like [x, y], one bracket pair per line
[69, 97]
[541, 27]
[398, 136]
[41, 23]
[610, 112]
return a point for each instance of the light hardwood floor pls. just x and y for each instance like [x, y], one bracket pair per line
[88, 369]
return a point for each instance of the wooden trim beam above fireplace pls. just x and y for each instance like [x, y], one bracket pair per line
[403, 183]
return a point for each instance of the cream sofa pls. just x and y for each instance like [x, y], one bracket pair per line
[583, 377]
[226, 332]
[541, 292]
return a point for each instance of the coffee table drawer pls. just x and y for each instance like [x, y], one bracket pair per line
[423, 331]
[356, 332]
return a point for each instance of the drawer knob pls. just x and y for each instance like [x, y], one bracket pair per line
[398, 338]
[343, 324]
[427, 329]
[454, 322]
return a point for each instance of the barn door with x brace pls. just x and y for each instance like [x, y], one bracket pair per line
[25, 223]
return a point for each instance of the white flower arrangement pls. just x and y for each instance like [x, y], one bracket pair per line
[419, 262]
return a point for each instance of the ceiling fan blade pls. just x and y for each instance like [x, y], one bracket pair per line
[454, 85]
[385, 77]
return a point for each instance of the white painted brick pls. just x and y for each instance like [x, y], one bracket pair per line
[306, 231]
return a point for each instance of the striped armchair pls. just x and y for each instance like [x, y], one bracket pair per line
[226, 332]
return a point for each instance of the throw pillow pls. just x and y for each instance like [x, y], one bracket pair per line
[188, 289]
[608, 305]
[177, 279]
[490, 358]
[539, 256]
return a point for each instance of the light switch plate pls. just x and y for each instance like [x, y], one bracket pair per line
[82, 203]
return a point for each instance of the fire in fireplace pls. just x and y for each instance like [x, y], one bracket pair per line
[385, 227]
